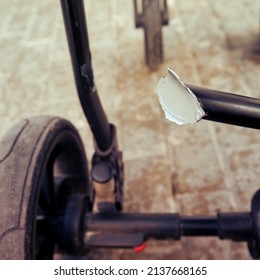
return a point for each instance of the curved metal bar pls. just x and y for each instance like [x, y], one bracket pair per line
[77, 36]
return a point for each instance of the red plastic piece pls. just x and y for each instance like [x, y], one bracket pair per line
[140, 248]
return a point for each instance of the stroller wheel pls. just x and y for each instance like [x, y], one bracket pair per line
[42, 165]
[153, 33]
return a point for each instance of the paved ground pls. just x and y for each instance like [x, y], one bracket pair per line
[200, 169]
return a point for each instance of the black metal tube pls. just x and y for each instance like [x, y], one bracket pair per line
[228, 108]
[235, 226]
[159, 226]
[199, 226]
[77, 36]
[232, 226]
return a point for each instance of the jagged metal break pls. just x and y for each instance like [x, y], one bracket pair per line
[179, 103]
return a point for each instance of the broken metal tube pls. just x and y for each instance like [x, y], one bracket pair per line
[188, 104]
[228, 108]
[178, 102]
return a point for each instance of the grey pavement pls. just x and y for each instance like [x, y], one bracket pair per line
[196, 170]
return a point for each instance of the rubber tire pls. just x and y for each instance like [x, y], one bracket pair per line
[25, 152]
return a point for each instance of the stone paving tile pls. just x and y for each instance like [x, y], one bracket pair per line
[210, 248]
[238, 137]
[13, 53]
[242, 37]
[159, 250]
[151, 194]
[210, 51]
[245, 167]
[206, 203]
[196, 165]
[239, 251]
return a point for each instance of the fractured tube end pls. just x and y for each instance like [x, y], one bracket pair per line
[179, 103]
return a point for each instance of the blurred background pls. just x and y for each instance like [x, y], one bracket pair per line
[200, 169]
